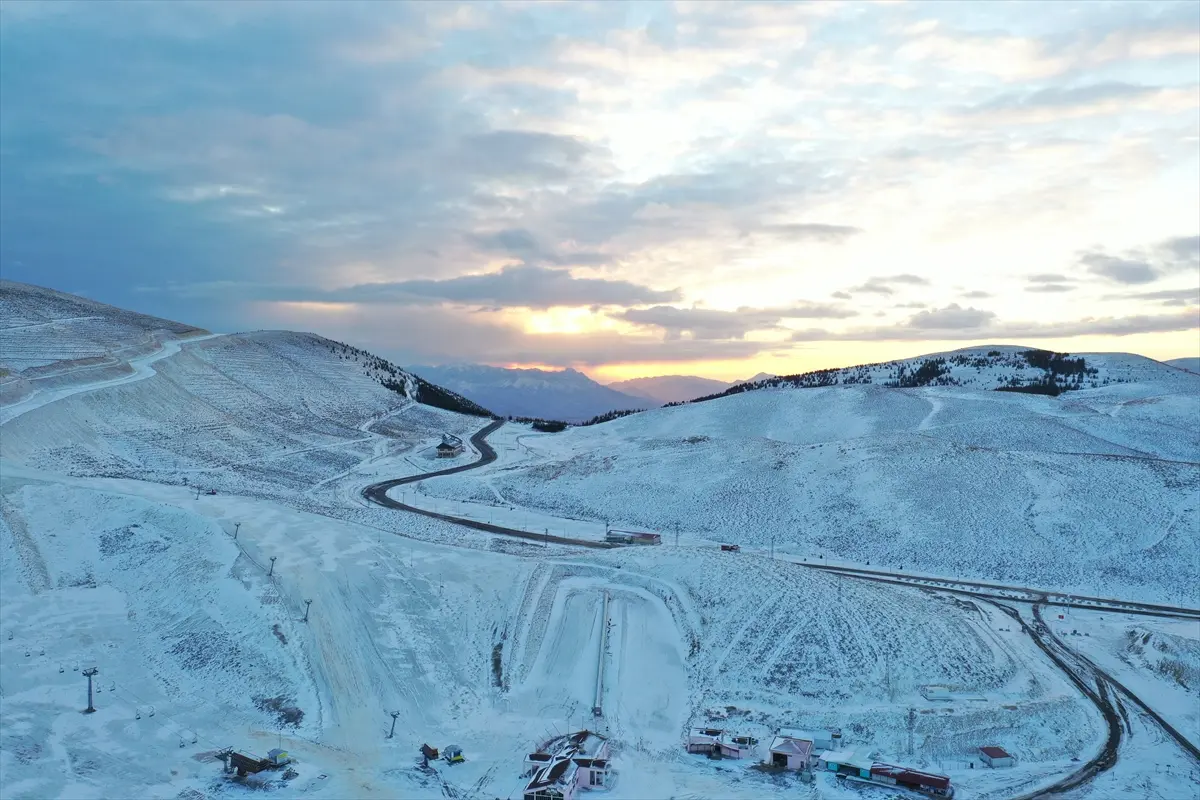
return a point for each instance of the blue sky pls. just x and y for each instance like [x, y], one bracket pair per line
[627, 188]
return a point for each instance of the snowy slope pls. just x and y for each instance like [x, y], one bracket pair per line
[49, 340]
[1094, 489]
[192, 605]
[1190, 364]
[670, 388]
[247, 412]
[983, 367]
[567, 395]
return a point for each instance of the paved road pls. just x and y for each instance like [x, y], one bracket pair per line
[1080, 670]
[1113, 715]
[378, 493]
[1022, 594]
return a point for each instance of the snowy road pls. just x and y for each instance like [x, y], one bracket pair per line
[378, 493]
[142, 369]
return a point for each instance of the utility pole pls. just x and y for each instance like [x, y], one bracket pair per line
[772, 548]
[546, 542]
[237, 526]
[271, 571]
[912, 724]
[91, 709]
[392, 732]
[307, 606]
[677, 534]
[197, 492]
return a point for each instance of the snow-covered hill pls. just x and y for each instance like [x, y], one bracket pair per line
[195, 607]
[1190, 364]
[565, 395]
[986, 367]
[1096, 488]
[665, 389]
[49, 340]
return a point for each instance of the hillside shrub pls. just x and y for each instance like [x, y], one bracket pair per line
[609, 416]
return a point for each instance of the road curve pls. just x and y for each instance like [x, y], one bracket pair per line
[1060, 655]
[1104, 677]
[1076, 667]
[377, 493]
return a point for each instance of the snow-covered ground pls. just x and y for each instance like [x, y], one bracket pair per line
[1096, 491]
[192, 605]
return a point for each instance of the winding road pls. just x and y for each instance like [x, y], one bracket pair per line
[1099, 687]
[377, 493]
[1081, 671]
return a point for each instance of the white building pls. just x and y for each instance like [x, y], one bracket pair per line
[821, 740]
[720, 742]
[995, 756]
[704, 740]
[578, 761]
[791, 753]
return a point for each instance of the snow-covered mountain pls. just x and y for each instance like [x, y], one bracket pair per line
[1008, 367]
[565, 395]
[195, 607]
[665, 389]
[762, 376]
[1190, 364]
[51, 342]
[1094, 487]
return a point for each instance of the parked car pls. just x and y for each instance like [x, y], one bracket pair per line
[731, 548]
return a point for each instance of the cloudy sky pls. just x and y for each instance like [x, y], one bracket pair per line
[626, 188]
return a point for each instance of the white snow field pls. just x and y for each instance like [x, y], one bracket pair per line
[192, 605]
[1095, 491]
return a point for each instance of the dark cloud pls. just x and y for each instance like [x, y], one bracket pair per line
[707, 323]
[1184, 250]
[952, 317]
[841, 295]
[886, 284]
[523, 154]
[455, 335]
[960, 327]
[1146, 265]
[1121, 270]
[1168, 297]
[522, 244]
[511, 287]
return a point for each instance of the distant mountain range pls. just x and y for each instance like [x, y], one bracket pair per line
[567, 395]
[669, 388]
[665, 389]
